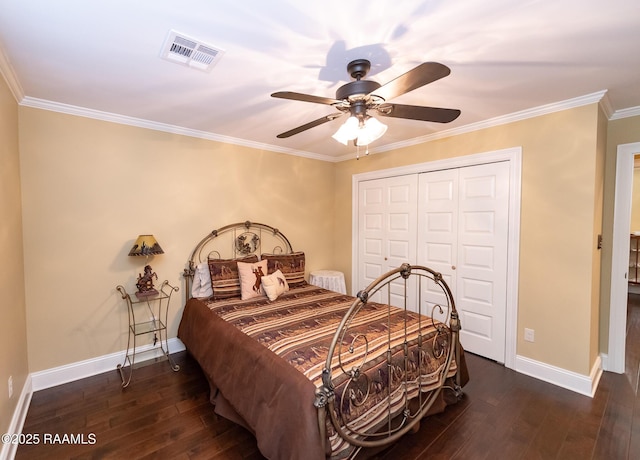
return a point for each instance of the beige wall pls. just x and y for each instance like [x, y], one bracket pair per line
[561, 168]
[596, 284]
[13, 331]
[90, 187]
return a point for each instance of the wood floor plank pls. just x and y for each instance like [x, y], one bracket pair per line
[634, 441]
[551, 433]
[632, 348]
[615, 432]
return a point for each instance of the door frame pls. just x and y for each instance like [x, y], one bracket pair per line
[615, 361]
[514, 157]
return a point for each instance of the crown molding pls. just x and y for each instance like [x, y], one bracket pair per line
[6, 70]
[592, 98]
[605, 105]
[597, 97]
[625, 113]
[173, 129]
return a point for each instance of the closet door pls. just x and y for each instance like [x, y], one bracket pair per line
[463, 231]
[387, 225]
[438, 232]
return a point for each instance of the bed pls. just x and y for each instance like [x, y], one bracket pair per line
[310, 372]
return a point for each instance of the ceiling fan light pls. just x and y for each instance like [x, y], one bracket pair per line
[373, 129]
[348, 131]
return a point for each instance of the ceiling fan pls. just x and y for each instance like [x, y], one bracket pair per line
[360, 97]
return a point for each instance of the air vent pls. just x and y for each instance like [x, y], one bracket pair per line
[189, 52]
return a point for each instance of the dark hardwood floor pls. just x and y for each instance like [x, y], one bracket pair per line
[167, 415]
[632, 346]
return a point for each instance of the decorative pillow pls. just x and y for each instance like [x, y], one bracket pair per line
[291, 265]
[274, 285]
[251, 278]
[201, 286]
[225, 281]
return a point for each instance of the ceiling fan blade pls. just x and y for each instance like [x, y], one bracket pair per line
[415, 112]
[304, 97]
[311, 124]
[426, 72]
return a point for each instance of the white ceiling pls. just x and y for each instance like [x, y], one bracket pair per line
[101, 59]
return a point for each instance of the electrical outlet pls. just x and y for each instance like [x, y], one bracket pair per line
[10, 386]
[529, 335]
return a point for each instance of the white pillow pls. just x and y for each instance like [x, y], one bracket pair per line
[274, 285]
[202, 281]
[250, 275]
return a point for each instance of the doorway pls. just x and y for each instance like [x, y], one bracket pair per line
[620, 256]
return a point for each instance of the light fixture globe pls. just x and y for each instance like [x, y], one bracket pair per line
[371, 131]
[347, 131]
[363, 132]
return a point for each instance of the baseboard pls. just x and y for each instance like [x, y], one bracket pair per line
[8, 451]
[82, 369]
[583, 384]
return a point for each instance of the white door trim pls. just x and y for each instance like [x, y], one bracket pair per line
[620, 257]
[514, 156]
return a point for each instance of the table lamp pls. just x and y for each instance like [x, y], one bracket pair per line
[146, 245]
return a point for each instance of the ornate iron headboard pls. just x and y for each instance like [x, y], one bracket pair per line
[236, 240]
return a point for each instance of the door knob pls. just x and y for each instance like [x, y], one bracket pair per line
[453, 267]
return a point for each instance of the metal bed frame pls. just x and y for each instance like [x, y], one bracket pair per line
[235, 240]
[397, 423]
[245, 238]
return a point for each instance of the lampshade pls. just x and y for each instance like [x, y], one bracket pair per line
[371, 131]
[146, 245]
[364, 133]
[347, 131]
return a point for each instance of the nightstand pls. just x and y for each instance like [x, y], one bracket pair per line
[329, 279]
[147, 315]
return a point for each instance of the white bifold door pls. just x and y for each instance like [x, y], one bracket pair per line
[454, 221]
[463, 233]
[387, 231]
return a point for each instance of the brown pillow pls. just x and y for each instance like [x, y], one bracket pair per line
[225, 281]
[291, 265]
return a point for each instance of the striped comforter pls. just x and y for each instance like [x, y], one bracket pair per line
[299, 327]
